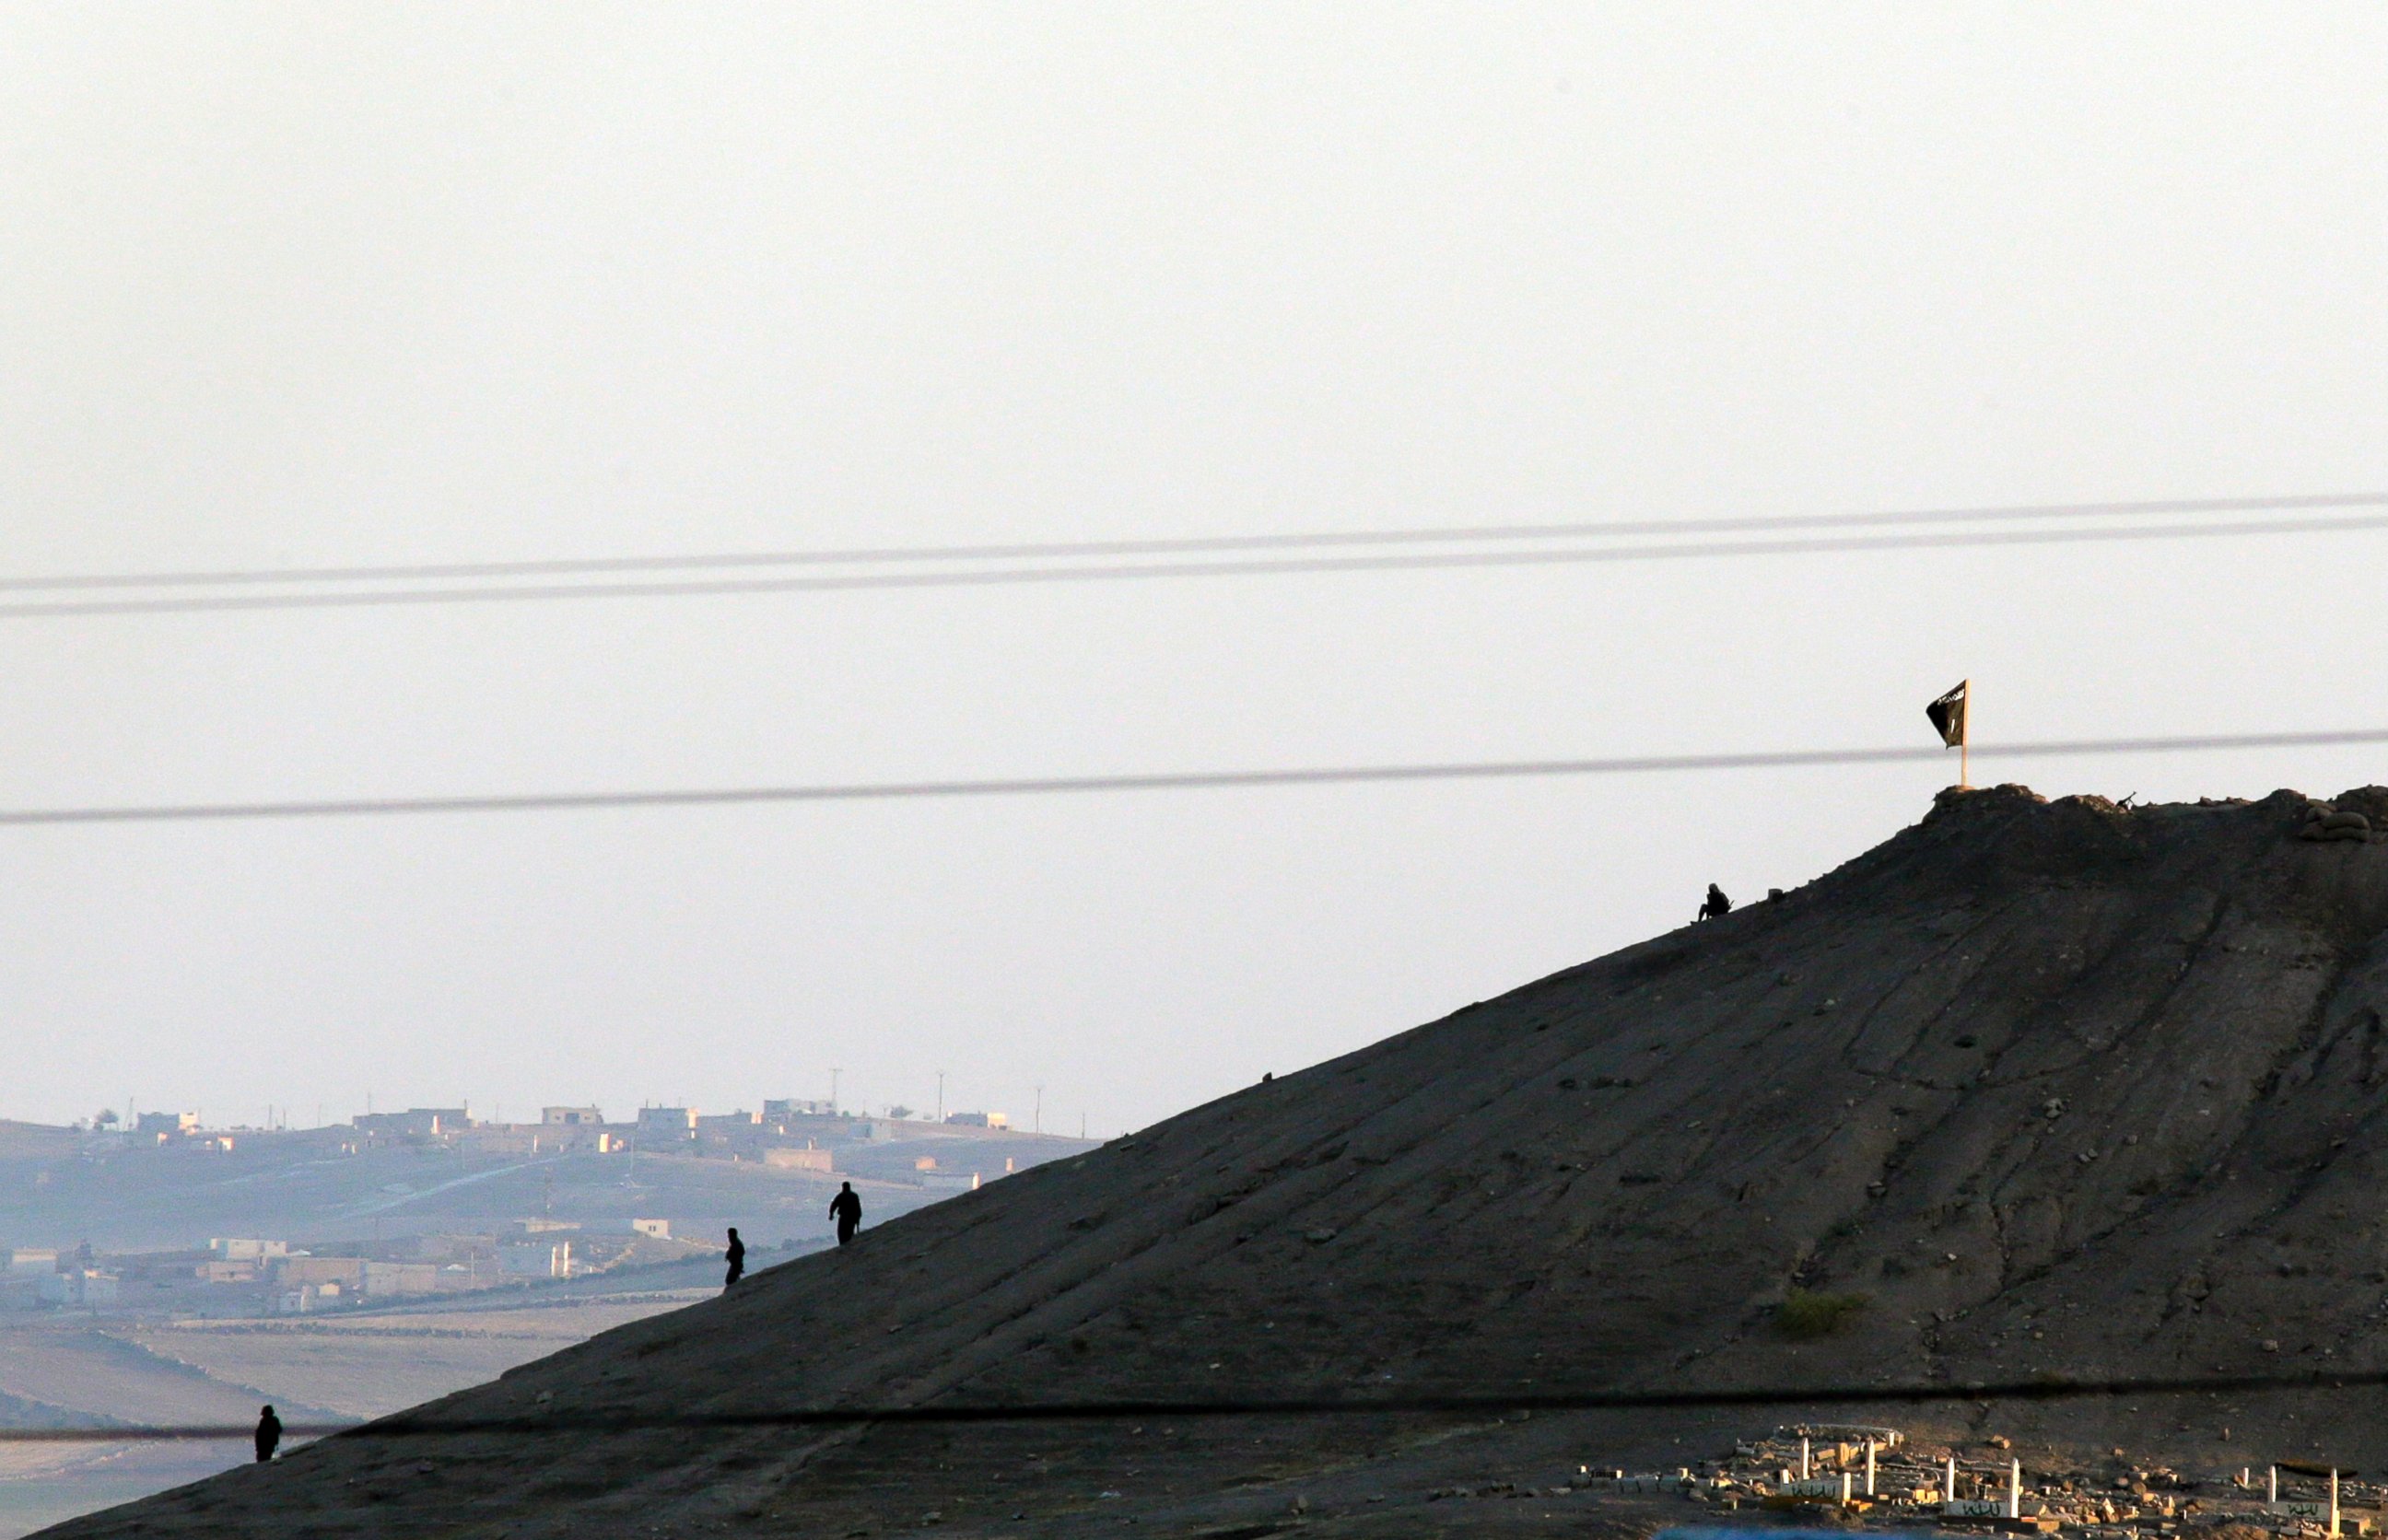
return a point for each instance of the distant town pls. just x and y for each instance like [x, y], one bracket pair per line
[431, 1201]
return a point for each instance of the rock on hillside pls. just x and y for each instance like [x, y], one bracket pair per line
[2062, 1086]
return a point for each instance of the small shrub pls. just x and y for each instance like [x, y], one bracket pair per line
[1810, 1313]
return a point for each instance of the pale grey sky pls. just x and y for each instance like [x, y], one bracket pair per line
[322, 284]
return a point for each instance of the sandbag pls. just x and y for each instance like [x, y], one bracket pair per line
[2325, 822]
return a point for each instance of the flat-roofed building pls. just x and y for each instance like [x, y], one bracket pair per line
[304, 1299]
[79, 1286]
[413, 1123]
[657, 1124]
[346, 1272]
[383, 1279]
[507, 1140]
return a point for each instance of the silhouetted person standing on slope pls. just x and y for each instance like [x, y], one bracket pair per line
[846, 1209]
[737, 1258]
[269, 1434]
[1718, 905]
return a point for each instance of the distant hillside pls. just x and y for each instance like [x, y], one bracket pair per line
[2031, 1086]
[36, 1141]
[58, 1189]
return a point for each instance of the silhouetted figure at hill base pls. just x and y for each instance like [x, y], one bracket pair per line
[1717, 905]
[737, 1258]
[269, 1434]
[846, 1209]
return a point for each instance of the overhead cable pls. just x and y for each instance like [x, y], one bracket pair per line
[560, 801]
[1109, 572]
[1033, 550]
[598, 1419]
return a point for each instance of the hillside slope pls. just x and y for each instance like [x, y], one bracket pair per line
[2055, 1085]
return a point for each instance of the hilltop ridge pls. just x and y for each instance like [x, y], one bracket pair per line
[2035, 1085]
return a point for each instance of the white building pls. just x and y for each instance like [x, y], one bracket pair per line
[79, 1287]
[308, 1298]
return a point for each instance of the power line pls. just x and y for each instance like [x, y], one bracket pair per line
[1581, 529]
[2041, 1389]
[1147, 569]
[559, 802]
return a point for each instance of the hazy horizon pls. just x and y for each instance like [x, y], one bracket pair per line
[325, 284]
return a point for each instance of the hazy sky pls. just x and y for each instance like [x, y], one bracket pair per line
[324, 283]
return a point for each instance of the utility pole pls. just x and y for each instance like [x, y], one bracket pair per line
[1039, 1123]
[941, 1095]
[832, 1089]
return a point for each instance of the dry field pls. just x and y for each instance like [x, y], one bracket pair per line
[73, 1369]
[365, 1367]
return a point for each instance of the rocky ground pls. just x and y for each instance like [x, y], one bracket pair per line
[2032, 1088]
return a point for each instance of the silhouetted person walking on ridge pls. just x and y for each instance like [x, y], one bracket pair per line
[1718, 905]
[737, 1258]
[846, 1209]
[269, 1434]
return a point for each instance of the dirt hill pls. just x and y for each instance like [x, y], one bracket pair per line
[2059, 1086]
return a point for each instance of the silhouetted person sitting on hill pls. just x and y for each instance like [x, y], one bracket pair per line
[269, 1434]
[846, 1209]
[1718, 905]
[737, 1258]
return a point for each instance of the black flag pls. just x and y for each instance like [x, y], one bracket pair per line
[1948, 715]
